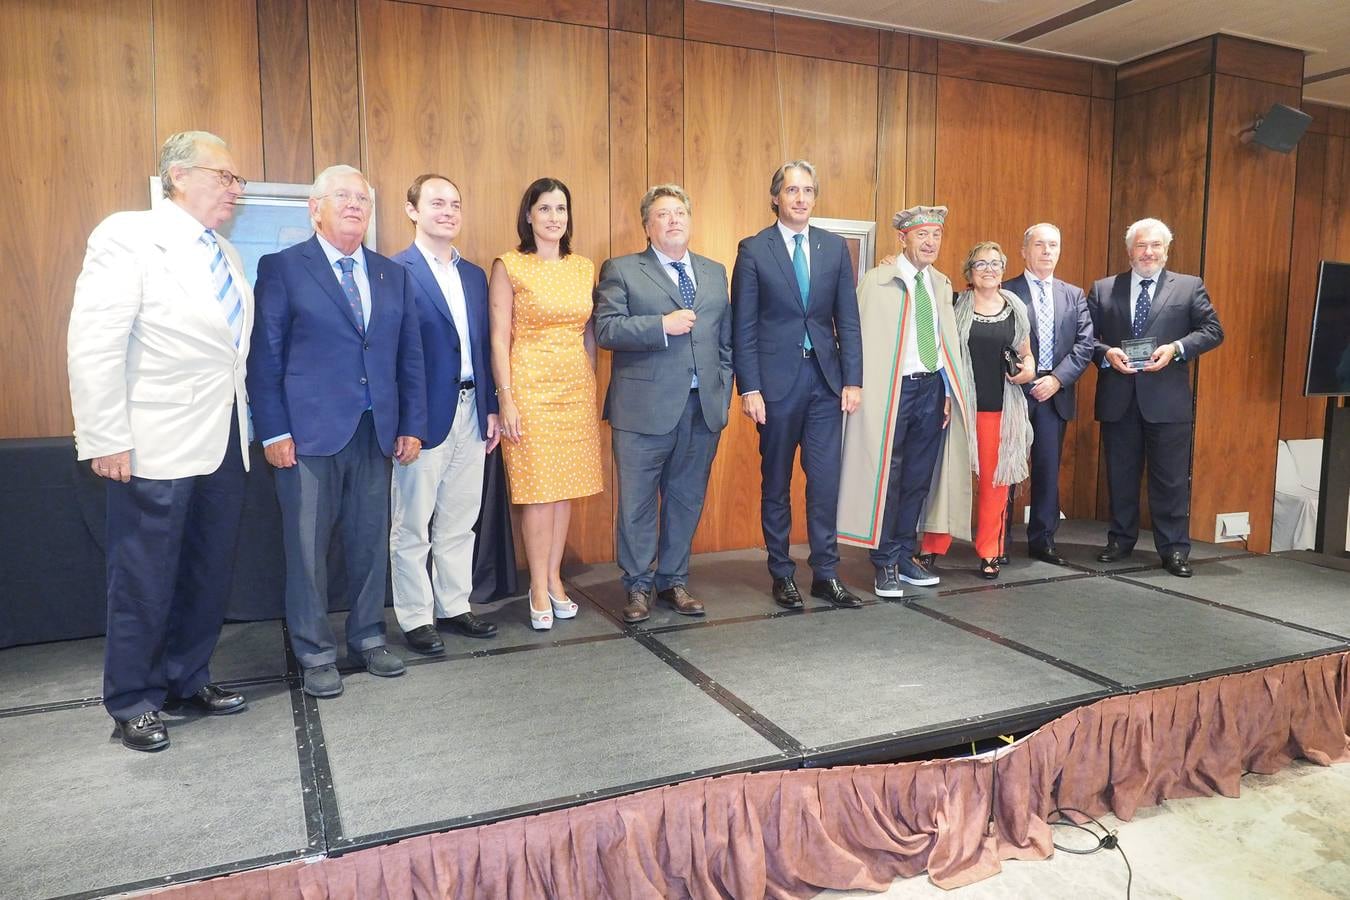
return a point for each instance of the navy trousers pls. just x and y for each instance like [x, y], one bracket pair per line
[809, 417]
[171, 546]
[1046, 449]
[348, 491]
[914, 455]
[674, 467]
[1166, 446]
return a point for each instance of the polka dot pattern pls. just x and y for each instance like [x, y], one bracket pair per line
[552, 381]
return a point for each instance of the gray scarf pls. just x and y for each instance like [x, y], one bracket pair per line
[1015, 436]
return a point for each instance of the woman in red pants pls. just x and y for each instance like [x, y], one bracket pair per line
[995, 336]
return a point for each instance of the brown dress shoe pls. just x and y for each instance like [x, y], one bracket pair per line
[639, 607]
[678, 599]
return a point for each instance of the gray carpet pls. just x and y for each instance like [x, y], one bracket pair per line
[845, 675]
[512, 618]
[81, 812]
[1127, 633]
[956, 569]
[731, 585]
[73, 670]
[1290, 591]
[475, 735]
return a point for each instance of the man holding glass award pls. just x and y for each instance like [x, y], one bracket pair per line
[1150, 324]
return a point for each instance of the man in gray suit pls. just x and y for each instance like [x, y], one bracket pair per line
[665, 313]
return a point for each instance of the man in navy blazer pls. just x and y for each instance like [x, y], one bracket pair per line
[437, 497]
[1061, 342]
[337, 387]
[797, 353]
[1146, 412]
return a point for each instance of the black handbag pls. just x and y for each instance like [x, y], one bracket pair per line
[1012, 363]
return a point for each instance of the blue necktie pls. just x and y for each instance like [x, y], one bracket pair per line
[353, 295]
[226, 293]
[803, 277]
[1141, 309]
[686, 285]
[1045, 328]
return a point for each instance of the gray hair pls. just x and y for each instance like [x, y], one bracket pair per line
[780, 174]
[327, 176]
[181, 150]
[1030, 232]
[656, 192]
[1145, 224]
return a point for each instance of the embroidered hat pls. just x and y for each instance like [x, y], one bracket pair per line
[915, 216]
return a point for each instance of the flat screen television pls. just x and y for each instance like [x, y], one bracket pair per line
[1329, 349]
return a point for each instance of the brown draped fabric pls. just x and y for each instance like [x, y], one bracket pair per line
[790, 834]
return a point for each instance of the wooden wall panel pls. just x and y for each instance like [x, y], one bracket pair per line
[733, 143]
[828, 40]
[732, 25]
[1246, 58]
[575, 12]
[665, 111]
[207, 75]
[1305, 417]
[892, 169]
[627, 157]
[531, 98]
[999, 174]
[287, 123]
[334, 85]
[981, 62]
[921, 138]
[1247, 232]
[79, 143]
[1158, 168]
[1168, 67]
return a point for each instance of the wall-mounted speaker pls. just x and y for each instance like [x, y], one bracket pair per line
[1279, 129]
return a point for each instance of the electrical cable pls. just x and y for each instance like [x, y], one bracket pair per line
[1107, 840]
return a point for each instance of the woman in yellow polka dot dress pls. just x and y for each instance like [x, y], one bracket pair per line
[543, 357]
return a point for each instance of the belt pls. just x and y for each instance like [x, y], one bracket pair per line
[920, 376]
[808, 353]
[466, 385]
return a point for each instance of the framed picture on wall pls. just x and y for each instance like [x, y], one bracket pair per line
[270, 216]
[859, 235]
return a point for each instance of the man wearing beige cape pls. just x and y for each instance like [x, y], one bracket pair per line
[915, 415]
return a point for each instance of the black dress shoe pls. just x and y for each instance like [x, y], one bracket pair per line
[833, 590]
[1177, 565]
[1113, 552]
[1003, 560]
[1046, 554]
[425, 639]
[212, 700]
[145, 732]
[785, 593]
[470, 625]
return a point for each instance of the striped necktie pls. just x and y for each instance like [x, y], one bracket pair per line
[1045, 329]
[923, 324]
[231, 304]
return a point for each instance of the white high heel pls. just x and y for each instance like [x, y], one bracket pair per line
[565, 608]
[540, 620]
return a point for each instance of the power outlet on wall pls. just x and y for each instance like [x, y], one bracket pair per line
[1231, 527]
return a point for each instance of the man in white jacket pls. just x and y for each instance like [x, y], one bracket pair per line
[158, 339]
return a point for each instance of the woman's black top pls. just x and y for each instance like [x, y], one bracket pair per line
[988, 336]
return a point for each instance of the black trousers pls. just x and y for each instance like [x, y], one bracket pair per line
[171, 545]
[1165, 447]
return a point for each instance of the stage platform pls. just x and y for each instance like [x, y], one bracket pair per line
[534, 721]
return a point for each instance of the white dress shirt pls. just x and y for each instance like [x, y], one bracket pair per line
[909, 354]
[359, 273]
[452, 288]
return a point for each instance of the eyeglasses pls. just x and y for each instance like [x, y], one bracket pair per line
[346, 197]
[225, 176]
[987, 265]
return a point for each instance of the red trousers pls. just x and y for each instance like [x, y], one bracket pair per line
[990, 500]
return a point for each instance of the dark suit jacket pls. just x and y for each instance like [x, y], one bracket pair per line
[1180, 311]
[441, 345]
[1073, 337]
[651, 373]
[768, 321]
[309, 368]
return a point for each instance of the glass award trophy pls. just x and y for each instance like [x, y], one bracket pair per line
[1138, 351]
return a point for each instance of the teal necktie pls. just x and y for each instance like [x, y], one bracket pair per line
[803, 276]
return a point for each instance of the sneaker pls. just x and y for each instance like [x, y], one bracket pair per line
[887, 583]
[911, 571]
